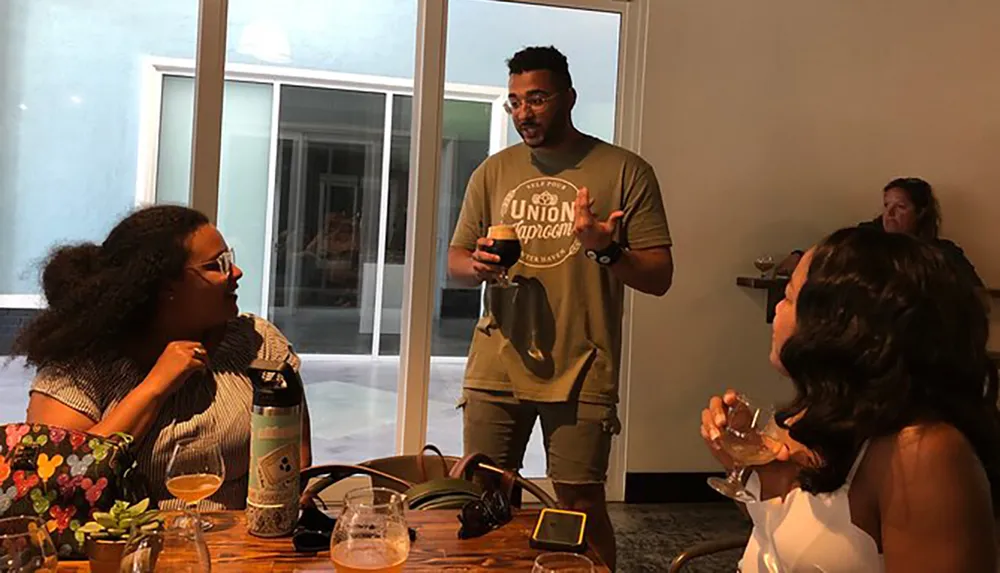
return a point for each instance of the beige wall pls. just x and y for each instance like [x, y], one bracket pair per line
[772, 123]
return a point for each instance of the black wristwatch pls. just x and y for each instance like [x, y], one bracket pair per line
[607, 256]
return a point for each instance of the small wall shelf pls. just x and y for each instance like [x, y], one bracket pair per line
[774, 286]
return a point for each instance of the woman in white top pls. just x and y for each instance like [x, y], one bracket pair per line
[891, 455]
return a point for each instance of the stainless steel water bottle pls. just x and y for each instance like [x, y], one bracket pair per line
[275, 448]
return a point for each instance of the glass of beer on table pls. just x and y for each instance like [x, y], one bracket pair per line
[371, 535]
[507, 246]
[195, 472]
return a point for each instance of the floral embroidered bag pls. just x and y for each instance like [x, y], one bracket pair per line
[63, 477]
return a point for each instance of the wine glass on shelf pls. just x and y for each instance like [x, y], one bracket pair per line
[195, 472]
[750, 438]
[764, 264]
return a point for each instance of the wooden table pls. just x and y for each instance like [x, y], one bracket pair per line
[437, 547]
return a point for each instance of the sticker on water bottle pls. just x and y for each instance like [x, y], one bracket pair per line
[279, 465]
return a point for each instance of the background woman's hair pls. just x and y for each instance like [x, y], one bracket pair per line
[100, 296]
[887, 335]
[921, 194]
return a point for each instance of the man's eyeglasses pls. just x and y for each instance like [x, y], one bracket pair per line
[534, 102]
[224, 263]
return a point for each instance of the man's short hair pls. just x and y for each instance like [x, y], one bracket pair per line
[542, 58]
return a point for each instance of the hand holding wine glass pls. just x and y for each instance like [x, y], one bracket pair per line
[740, 435]
[195, 472]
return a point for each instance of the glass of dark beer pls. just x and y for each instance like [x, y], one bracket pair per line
[507, 246]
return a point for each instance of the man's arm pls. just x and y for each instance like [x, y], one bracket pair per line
[467, 263]
[647, 270]
[650, 269]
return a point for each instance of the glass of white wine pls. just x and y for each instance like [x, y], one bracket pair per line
[750, 438]
[195, 472]
[764, 264]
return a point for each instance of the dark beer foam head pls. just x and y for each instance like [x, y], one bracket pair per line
[502, 233]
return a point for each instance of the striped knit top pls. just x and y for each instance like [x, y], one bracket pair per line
[216, 406]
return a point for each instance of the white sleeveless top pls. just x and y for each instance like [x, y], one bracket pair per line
[808, 533]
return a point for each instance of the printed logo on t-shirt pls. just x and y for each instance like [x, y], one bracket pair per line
[541, 211]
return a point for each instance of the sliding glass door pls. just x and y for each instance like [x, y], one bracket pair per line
[322, 239]
[593, 60]
[326, 218]
[315, 187]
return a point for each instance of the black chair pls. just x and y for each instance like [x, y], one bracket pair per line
[706, 548]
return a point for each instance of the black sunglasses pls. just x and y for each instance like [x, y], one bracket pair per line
[483, 515]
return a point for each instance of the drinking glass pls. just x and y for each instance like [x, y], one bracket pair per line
[371, 533]
[562, 563]
[764, 264]
[25, 546]
[750, 438]
[195, 472]
[507, 246]
[179, 548]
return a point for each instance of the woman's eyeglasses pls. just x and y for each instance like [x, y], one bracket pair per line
[224, 263]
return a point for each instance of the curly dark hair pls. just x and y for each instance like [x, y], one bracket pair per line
[921, 194]
[100, 296]
[542, 58]
[887, 335]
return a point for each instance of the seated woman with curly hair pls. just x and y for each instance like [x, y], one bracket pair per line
[142, 335]
[891, 456]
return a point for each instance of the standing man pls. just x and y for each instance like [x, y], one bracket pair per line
[590, 220]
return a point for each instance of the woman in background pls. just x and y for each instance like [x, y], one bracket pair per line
[891, 458]
[909, 207]
[142, 335]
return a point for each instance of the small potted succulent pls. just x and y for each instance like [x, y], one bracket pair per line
[109, 531]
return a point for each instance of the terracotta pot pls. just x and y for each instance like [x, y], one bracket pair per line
[105, 556]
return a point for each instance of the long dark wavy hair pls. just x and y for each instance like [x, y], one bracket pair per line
[887, 335]
[102, 296]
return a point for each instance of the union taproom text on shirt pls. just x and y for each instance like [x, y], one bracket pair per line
[542, 212]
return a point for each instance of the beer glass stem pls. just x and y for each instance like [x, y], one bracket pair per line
[504, 280]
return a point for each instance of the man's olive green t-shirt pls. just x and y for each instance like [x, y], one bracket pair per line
[556, 337]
